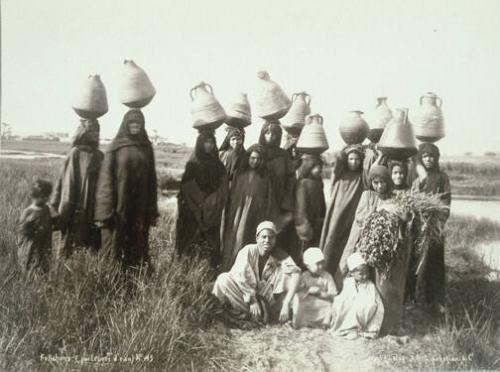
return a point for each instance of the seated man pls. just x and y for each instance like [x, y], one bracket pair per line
[262, 278]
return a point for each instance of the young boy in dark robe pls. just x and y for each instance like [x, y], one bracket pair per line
[36, 230]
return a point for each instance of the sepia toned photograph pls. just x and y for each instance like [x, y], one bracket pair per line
[252, 186]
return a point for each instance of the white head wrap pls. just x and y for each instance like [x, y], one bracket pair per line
[312, 256]
[266, 225]
[355, 260]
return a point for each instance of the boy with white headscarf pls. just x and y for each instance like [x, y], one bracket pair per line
[312, 305]
[358, 310]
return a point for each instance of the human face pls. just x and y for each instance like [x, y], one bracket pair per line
[379, 185]
[134, 128]
[270, 137]
[317, 268]
[266, 241]
[254, 160]
[235, 142]
[360, 274]
[353, 161]
[208, 146]
[397, 175]
[316, 171]
[428, 160]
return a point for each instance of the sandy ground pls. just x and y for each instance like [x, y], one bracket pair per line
[278, 348]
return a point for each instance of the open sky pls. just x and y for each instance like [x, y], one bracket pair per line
[344, 53]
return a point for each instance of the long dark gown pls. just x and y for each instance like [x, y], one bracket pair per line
[74, 199]
[201, 200]
[127, 195]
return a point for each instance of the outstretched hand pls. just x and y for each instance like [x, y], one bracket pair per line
[255, 311]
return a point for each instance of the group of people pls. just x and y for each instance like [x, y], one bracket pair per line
[258, 215]
[261, 218]
[104, 202]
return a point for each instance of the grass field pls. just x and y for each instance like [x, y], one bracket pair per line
[166, 322]
[83, 310]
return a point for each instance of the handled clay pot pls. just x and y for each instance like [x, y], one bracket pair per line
[91, 102]
[429, 121]
[136, 89]
[313, 139]
[398, 139]
[206, 111]
[238, 112]
[353, 128]
[271, 102]
[295, 119]
[379, 119]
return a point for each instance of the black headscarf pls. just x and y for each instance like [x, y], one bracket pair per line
[206, 169]
[234, 156]
[245, 165]
[123, 138]
[432, 149]
[273, 149]
[231, 132]
[82, 139]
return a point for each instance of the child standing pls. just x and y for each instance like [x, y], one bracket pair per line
[312, 304]
[36, 230]
[358, 309]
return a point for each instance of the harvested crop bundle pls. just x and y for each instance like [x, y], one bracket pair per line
[379, 238]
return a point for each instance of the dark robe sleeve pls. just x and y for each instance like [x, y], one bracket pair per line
[153, 201]
[287, 203]
[64, 199]
[303, 226]
[446, 193]
[105, 190]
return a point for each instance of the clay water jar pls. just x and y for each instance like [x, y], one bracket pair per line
[238, 112]
[271, 102]
[353, 128]
[136, 89]
[295, 119]
[91, 101]
[428, 119]
[313, 139]
[206, 111]
[379, 119]
[398, 139]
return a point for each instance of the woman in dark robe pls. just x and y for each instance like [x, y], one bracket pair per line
[74, 195]
[202, 197]
[282, 171]
[347, 187]
[251, 201]
[310, 204]
[126, 204]
[432, 180]
[232, 151]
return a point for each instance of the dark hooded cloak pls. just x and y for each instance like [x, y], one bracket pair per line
[231, 158]
[201, 199]
[75, 193]
[127, 193]
[250, 202]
